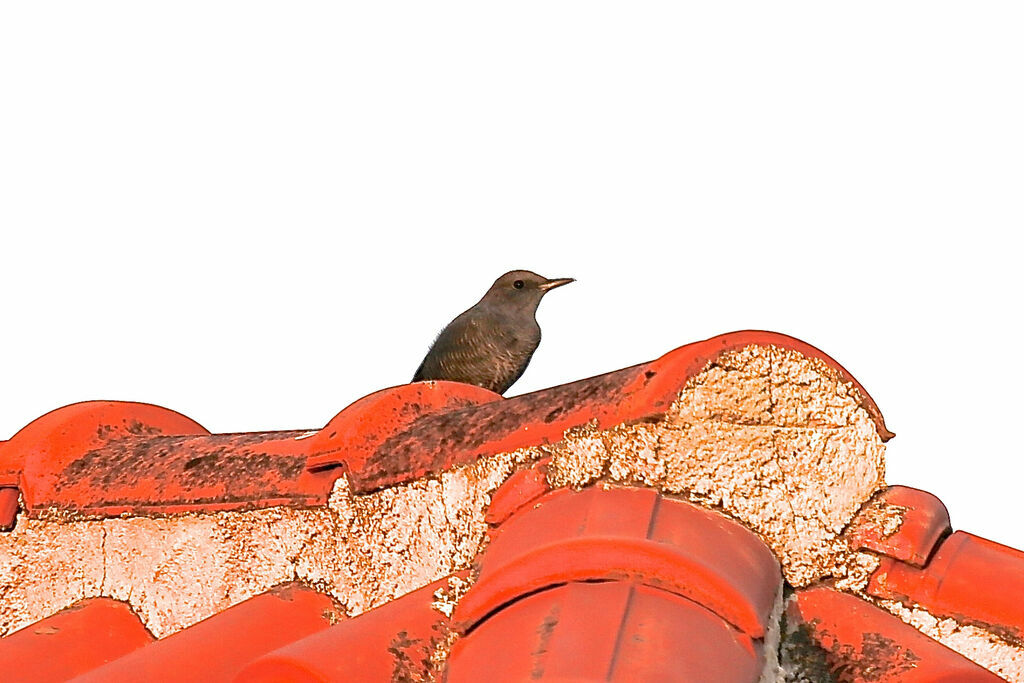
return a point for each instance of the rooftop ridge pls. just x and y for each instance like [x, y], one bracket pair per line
[108, 458]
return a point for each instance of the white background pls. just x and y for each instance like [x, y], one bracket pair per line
[255, 213]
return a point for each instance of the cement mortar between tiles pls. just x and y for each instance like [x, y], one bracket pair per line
[983, 648]
[771, 671]
[766, 435]
[177, 570]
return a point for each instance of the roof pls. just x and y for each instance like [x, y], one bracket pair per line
[719, 513]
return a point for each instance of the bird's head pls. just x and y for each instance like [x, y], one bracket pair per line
[522, 289]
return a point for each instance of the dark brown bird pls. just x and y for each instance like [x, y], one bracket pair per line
[491, 344]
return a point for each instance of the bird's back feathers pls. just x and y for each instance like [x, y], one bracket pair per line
[482, 347]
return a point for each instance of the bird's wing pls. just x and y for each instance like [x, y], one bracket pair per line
[473, 351]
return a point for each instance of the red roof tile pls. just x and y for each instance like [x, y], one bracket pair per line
[442, 439]
[216, 649]
[75, 458]
[77, 639]
[392, 642]
[614, 631]
[352, 437]
[44, 446]
[598, 534]
[618, 625]
[8, 507]
[612, 583]
[864, 643]
[923, 522]
[969, 578]
[629, 628]
[521, 488]
[82, 457]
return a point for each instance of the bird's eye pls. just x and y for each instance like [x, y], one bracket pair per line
[518, 284]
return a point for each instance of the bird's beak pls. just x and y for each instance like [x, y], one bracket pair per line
[555, 282]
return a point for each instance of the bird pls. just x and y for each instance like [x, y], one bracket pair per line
[491, 344]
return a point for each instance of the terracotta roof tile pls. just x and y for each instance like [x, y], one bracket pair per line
[616, 584]
[216, 649]
[521, 488]
[8, 507]
[81, 458]
[599, 534]
[864, 643]
[969, 578]
[392, 642]
[354, 435]
[623, 623]
[445, 438]
[77, 639]
[607, 580]
[614, 631]
[606, 618]
[902, 523]
[74, 458]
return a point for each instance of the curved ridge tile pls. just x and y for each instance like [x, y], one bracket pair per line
[168, 474]
[36, 457]
[439, 440]
[106, 458]
[618, 533]
[900, 522]
[613, 631]
[666, 374]
[353, 435]
[46, 443]
[524, 486]
[86, 457]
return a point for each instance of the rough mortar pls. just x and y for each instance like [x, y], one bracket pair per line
[772, 438]
[176, 570]
[985, 649]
